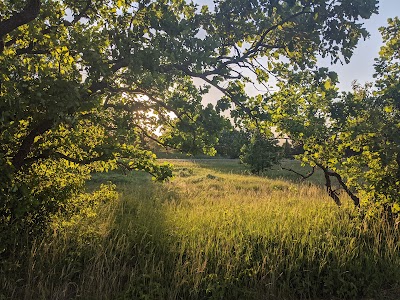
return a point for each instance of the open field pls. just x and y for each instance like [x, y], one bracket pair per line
[213, 232]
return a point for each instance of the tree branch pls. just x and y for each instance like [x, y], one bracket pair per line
[332, 193]
[49, 153]
[80, 15]
[227, 93]
[144, 132]
[84, 161]
[353, 197]
[253, 49]
[19, 158]
[260, 43]
[30, 50]
[304, 177]
[126, 166]
[28, 14]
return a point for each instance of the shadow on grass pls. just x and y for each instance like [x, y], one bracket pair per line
[122, 254]
[145, 257]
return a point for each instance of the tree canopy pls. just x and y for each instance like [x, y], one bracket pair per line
[81, 82]
[352, 136]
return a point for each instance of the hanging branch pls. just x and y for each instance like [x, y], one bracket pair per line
[304, 177]
[353, 197]
[332, 193]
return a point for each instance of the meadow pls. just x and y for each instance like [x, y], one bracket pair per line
[212, 232]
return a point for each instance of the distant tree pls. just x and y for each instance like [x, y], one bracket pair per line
[199, 135]
[287, 149]
[231, 141]
[261, 153]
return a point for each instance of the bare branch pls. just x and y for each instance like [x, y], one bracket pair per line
[353, 197]
[332, 193]
[304, 177]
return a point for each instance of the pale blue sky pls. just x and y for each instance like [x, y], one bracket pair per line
[361, 67]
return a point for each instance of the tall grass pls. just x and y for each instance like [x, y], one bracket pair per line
[212, 233]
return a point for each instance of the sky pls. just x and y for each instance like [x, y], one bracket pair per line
[360, 67]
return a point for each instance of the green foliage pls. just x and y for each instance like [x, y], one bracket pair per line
[260, 153]
[80, 87]
[353, 137]
[231, 141]
[32, 199]
[75, 217]
[195, 134]
[83, 210]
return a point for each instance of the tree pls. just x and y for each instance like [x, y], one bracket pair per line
[231, 140]
[353, 137]
[82, 81]
[261, 153]
[287, 149]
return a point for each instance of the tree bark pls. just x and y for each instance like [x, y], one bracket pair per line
[28, 14]
[331, 192]
[19, 158]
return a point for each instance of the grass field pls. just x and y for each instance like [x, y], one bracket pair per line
[214, 232]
